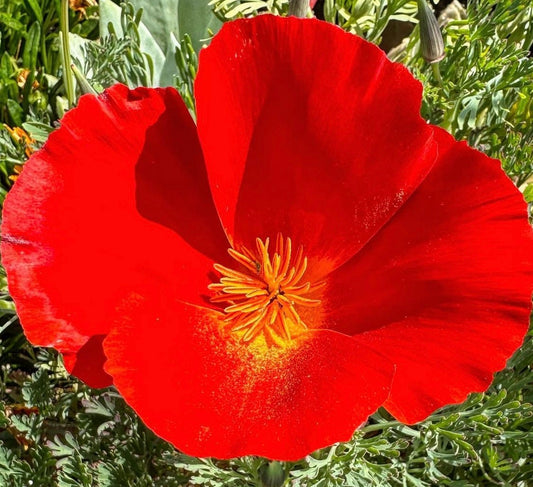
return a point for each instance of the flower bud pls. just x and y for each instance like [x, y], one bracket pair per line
[431, 43]
[272, 474]
[298, 8]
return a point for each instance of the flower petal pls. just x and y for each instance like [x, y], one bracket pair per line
[117, 200]
[225, 399]
[444, 289]
[308, 131]
[88, 363]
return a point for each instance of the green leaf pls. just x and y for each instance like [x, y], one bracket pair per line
[528, 193]
[196, 18]
[161, 18]
[10, 22]
[467, 116]
[169, 71]
[110, 14]
[31, 48]
[77, 48]
[34, 5]
[38, 131]
[179, 17]
[7, 66]
[15, 112]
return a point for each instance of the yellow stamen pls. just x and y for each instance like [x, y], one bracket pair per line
[266, 296]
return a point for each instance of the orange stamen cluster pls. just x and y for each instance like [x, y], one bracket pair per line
[265, 298]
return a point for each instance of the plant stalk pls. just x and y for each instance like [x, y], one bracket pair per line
[68, 78]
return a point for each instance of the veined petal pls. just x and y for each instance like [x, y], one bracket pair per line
[227, 399]
[444, 289]
[308, 131]
[117, 200]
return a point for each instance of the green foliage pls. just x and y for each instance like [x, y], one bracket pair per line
[369, 18]
[56, 432]
[148, 54]
[117, 57]
[488, 81]
[30, 58]
[187, 63]
[125, 23]
[234, 9]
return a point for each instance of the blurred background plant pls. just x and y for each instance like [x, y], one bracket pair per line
[54, 431]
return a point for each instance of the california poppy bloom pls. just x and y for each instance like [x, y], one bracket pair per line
[262, 281]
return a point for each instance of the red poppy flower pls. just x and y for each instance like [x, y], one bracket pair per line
[372, 259]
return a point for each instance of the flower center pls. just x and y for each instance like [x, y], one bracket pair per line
[268, 296]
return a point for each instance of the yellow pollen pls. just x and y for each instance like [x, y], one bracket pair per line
[264, 298]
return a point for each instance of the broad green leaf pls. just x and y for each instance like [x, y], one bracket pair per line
[15, 112]
[169, 71]
[109, 14]
[196, 18]
[77, 49]
[178, 17]
[161, 18]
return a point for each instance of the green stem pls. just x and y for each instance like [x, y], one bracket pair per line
[380, 426]
[68, 79]
[436, 72]
[44, 54]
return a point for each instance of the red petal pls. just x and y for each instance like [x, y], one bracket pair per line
[88, 363]
[444, 290]
[222, 400]
[308, 131]
[83, 226]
